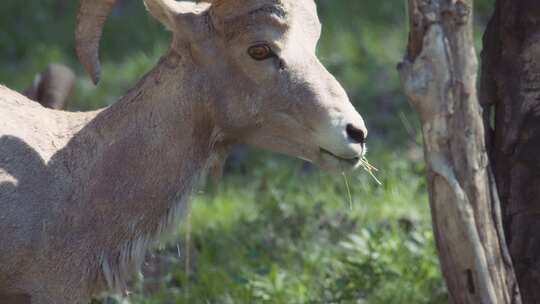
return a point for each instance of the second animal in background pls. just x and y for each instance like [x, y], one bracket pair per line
[53, 88]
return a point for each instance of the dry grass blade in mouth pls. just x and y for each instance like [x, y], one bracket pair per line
[364, 163]
[348, 190]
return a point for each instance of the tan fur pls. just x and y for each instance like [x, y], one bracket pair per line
[83, 195]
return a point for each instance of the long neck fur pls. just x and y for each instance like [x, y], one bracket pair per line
[142, 157]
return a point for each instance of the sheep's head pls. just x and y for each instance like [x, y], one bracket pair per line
[258, 56]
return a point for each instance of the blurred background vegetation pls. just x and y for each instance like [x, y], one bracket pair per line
[275, 230]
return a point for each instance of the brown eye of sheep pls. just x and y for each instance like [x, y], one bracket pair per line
[260, 52]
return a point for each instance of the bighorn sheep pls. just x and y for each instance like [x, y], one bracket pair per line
[53, 88]
[82, 195]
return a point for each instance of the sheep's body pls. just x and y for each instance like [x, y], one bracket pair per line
[31, 189]
[100, 195]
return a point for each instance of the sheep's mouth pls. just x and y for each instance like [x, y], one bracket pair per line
[351, 161]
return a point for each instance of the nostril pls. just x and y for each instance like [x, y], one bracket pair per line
[357, 135]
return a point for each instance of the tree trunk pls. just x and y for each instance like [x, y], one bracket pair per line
[439, 77]
[511, 87]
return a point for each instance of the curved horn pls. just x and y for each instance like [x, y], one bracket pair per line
[90, 21]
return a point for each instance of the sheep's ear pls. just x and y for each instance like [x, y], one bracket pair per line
[182, 17]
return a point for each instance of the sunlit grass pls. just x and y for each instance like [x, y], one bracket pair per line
[283, 233]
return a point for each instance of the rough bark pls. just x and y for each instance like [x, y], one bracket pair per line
[510, 87]
[439, 77]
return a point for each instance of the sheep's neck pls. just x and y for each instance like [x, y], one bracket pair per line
[150, 148]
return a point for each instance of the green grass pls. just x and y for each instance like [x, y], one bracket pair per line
[284, 233]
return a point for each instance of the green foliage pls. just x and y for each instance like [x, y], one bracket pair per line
[286, 234]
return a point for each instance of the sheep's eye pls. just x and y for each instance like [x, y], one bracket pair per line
[260, 52]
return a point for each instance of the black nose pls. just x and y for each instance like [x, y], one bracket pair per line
[357, 135]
